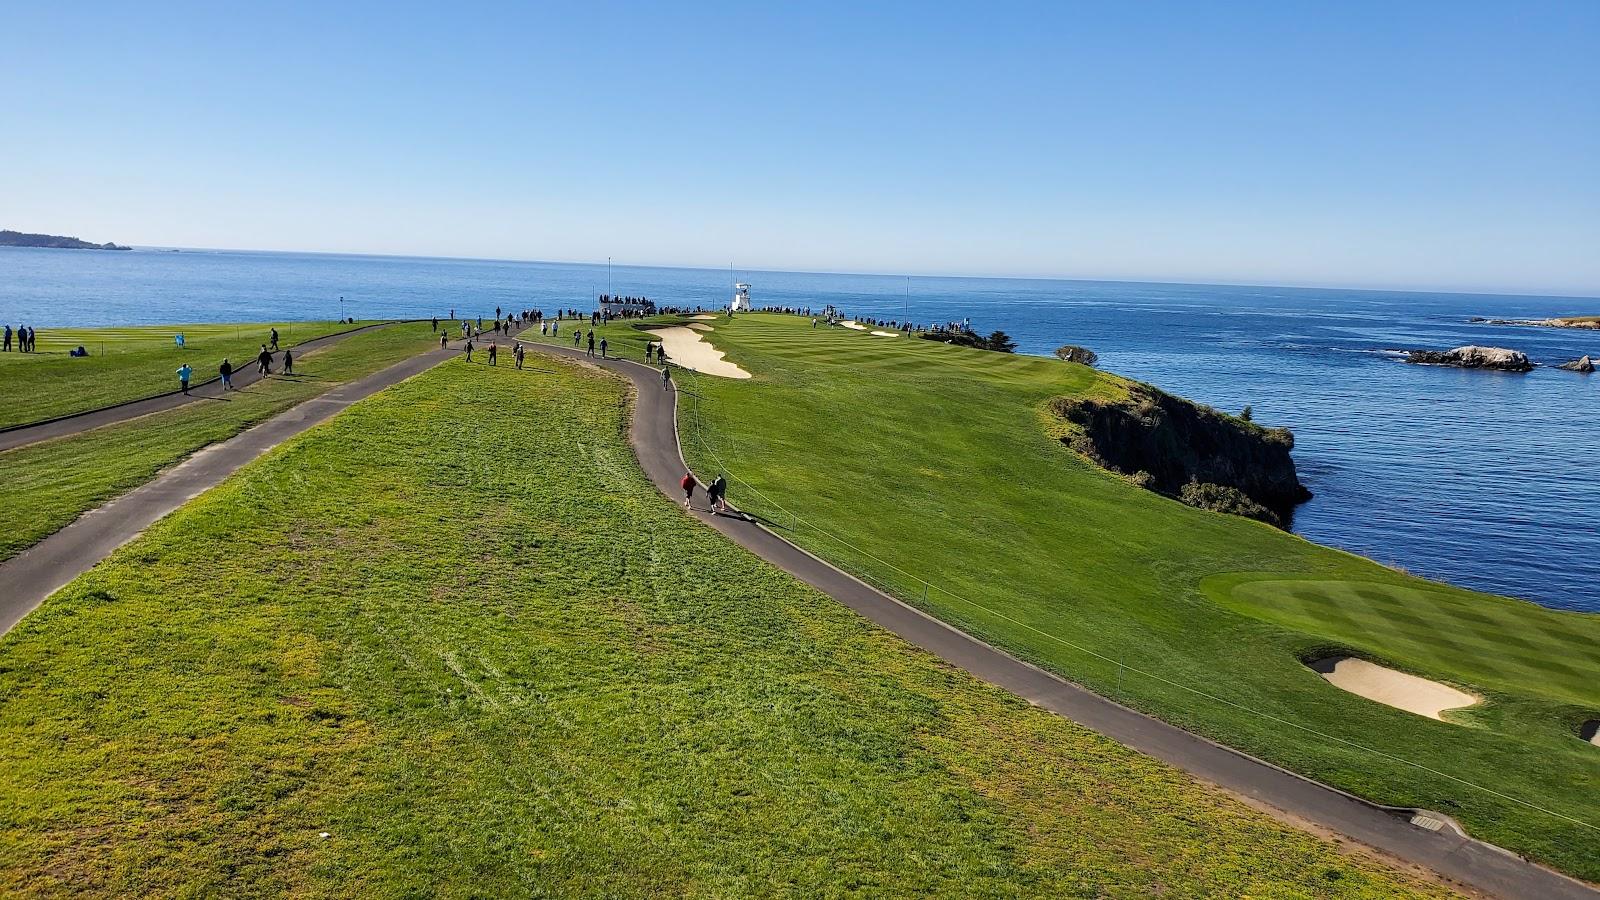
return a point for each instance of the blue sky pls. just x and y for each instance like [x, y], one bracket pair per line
[1398, 144]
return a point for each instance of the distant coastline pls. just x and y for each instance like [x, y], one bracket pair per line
[1590, 322]
[23, 239]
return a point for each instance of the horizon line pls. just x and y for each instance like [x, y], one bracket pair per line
[1013, 277]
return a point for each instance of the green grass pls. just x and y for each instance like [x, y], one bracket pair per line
[128, 363]
[904, 460]
[62, 479]
[456, 630]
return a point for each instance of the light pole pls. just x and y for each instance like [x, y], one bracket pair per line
[341, 307]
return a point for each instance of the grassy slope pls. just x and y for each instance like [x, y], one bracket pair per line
[136, 362]
[62, 479]
[485, 656]
[938, 462]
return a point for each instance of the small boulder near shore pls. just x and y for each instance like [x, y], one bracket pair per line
[1473, 357]
[1582, 364]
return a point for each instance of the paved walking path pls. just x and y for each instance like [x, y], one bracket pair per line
[1454, 856]
[34, 574]
[209, 387]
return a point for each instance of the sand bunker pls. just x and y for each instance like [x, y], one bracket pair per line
[708, 318]
[885, 334]
[855, 325]
[688, 348]
[1391, 688]
[1591, 732]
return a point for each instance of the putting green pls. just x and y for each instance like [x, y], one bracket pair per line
[1465, 637]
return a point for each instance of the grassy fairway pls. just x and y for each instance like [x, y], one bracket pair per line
[458, 632]
[129, 363]
[57, 481]
[902, 459]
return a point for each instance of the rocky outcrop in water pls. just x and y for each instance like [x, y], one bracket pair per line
[1473, 357]
[1589, 322]
[1582, 364]
[1193, 453]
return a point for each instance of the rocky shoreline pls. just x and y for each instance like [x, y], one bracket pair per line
[1189, 452]
[1591, 323]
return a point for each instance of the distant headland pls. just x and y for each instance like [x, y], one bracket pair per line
[21, 239]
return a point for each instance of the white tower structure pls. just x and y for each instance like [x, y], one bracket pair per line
[741, 297]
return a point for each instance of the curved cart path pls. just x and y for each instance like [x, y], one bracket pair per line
[1475, 864]
[209, 388]
[39, 571]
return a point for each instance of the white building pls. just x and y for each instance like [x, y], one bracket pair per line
[741, 298]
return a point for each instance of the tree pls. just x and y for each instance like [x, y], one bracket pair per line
[1001, 342]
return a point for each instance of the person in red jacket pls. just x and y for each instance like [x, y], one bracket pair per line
[688, 484]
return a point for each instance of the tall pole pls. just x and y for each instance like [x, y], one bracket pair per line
[608, 276]
[341, 307]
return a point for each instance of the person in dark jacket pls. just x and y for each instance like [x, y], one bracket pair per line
[264, 361]
[226, 370]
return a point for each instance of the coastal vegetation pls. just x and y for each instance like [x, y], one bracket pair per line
[453, 637]
[128, 363]
[997, 340]
[938, 473]
[23, 239]
[66, 477]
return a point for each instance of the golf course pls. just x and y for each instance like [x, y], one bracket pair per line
[65, 477]
[938, 473]
[453, 636]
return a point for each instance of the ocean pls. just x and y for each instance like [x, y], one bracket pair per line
[1482, 479]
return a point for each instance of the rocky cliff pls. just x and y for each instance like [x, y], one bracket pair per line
[1190, 452]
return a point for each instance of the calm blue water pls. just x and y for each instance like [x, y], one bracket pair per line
[1482, 479]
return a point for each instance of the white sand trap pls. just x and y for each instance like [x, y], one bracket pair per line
[885, 334]
[688, 348]
[1591, 732]
[1391, 688]
[856, 325]
[707, 318]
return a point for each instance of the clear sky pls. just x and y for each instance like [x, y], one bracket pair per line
[1451, 145]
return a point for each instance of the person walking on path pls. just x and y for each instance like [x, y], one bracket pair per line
[183, 378]
[469, 351]
[666, 378]
[717, 492]
[591, 342]
[602, 348]
[444, 341]
[576, 337]
[274, 338]
[226, 370]
[264, 361]
[688, 484]
[288, 362]
[493, 353]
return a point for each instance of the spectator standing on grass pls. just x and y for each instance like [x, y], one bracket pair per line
[493, 353]
[435, 324]
[469, 350]
[518, 354]
[274, 338]
[8, 339]
[226, 370]
[288, 363]
[184, 372]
